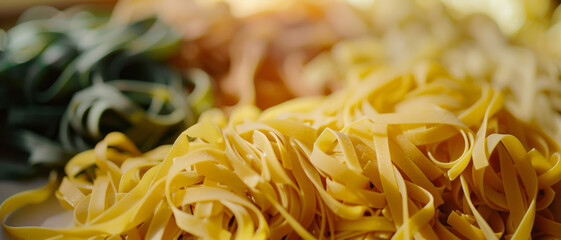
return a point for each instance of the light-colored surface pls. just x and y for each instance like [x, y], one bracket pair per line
[9, 188]
[48, 214]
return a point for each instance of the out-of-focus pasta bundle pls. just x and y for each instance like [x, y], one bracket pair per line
[256, 55]
[67, 78]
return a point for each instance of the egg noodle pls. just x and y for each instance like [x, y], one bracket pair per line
[400, 155]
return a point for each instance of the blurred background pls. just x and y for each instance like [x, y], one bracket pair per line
[11, 10]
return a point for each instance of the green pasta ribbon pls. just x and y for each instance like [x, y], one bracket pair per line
[67, 78]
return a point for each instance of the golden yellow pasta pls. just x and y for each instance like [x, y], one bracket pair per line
[413, 154]
[525, 65]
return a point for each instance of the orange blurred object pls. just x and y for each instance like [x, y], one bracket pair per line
[258, 58]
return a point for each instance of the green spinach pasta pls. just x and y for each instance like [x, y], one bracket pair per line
[69, 77]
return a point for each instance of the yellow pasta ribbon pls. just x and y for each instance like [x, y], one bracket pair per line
[394, 157]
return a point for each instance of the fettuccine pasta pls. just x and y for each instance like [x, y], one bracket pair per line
[525, 65]
[411, 154]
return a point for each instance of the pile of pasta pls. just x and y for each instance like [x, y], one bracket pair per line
[433, 128]
[525, 66]
[402, 154]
